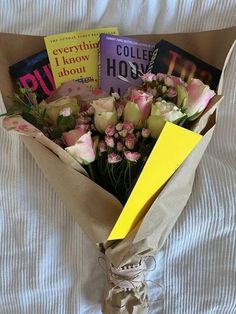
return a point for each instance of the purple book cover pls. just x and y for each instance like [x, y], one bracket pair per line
[115, 54]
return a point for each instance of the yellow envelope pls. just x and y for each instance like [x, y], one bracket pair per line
[171, 149]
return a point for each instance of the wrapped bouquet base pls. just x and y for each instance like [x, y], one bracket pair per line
[96, 210]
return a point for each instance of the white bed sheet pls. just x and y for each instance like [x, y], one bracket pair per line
[47, 264]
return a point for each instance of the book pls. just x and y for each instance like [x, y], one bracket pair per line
[122, 59]
[74, 55]
[34, 72]
[170, 59]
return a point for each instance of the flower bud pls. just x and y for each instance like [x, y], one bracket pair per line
[113, 158]
[110, 130]
[110, 141]
[130, 141]
[132, 156]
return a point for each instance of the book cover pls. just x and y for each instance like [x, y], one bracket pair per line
[34, 72]
[116, 54]
[170, 59]
[74, 55]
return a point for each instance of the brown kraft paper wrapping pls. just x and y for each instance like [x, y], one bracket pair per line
[96, 210]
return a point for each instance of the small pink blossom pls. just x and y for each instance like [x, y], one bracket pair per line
[148, 77]
[102, 146]
[130, 141]
[132, 156]
[109, 140]
[65, 112]
[146, 133]
[123, 133]
[71, 137]
[161, 76]
[171, 92]
[119, 126]
[128, 126]
[114, 158]
[110, 130]
[168, 81]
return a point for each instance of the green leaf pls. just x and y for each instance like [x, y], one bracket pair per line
[66, 123]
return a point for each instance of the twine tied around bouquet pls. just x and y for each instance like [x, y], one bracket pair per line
[128, 277]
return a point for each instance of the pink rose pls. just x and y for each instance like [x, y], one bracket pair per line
[109, 140]
[71, 137]
[110, 130]
[114, 158]
[83, 150]
[130, 141]
[199, 96]
[128, 126]
[132, 156]
[143, 100]
[148, 77]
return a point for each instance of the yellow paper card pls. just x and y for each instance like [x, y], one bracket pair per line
[171, 149]
[74, 55]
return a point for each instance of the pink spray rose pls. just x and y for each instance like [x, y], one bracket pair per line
[113, 158]
[148, 77]
[83, 150]
[132, 156]
[199, 96]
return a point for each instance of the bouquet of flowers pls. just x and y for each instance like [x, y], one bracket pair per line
[108, 147]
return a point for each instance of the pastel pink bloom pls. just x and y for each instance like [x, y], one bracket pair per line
[130, 141]
[84, 127]
[127, 125]
[109, 140]
[123, 133]
[114, 158]
[199, 96]
[148, 77]
[65, 112]
[143, 100]
[119, 126]
[102, 146]
[161, 76]
[110, 130]
[146, 133]
[119, 146]
[132, 156]
[83, 150]
[177, 80]
[71, 137]
[168, 81]
[171, 92]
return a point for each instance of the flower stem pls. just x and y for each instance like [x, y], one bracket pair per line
[91, 174]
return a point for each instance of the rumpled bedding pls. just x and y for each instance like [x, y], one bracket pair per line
[47, 264]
